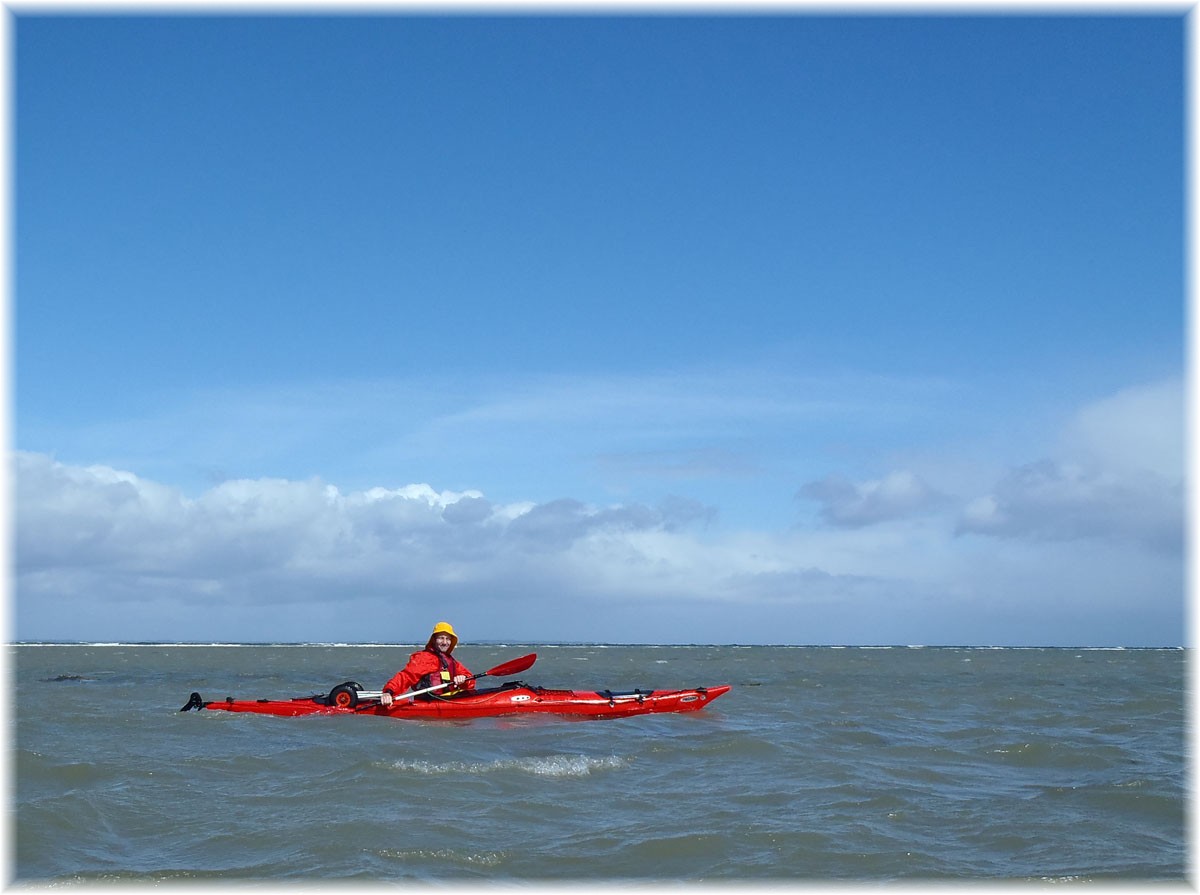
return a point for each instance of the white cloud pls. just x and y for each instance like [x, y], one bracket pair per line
[897, 495]
[1064, 501]
[1138, 428]
[1122, 477]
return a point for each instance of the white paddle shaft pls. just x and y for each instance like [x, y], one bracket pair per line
[378, 694]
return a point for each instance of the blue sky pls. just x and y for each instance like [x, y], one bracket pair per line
[780, 328]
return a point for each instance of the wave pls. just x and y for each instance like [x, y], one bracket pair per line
[546, 766]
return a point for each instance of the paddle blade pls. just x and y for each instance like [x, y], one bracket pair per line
[512, 666]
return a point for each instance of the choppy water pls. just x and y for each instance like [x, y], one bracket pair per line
[820, 765]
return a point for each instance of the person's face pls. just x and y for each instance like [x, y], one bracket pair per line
[442, 642]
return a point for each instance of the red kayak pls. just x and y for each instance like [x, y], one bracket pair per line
[513, 698]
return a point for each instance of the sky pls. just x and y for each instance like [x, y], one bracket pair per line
[637, 328]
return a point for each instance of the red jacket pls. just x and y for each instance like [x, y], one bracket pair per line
[423, 663]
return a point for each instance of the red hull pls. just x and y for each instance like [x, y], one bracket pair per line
[509, 700]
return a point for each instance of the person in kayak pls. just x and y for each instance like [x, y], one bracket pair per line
[431, 666]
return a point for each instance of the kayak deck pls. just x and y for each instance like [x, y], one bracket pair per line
[510, 699]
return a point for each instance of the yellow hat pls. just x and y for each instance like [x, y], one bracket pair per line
[443, 628]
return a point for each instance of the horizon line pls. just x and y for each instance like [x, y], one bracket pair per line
[579, 643]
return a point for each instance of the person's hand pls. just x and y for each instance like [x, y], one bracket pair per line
[386, 699]
[459, 680]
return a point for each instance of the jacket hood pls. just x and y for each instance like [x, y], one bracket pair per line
[443, 628]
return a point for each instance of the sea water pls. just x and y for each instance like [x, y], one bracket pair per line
[821, 764]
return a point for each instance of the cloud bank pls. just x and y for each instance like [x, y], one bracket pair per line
[1086, 543]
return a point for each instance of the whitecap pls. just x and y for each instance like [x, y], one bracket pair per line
[543, 766]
